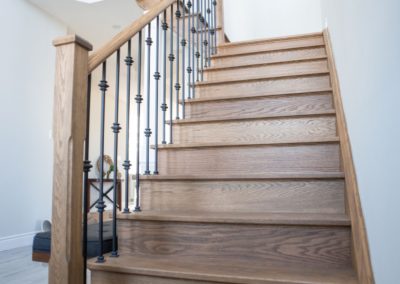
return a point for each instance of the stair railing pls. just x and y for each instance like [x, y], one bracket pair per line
[193, 38]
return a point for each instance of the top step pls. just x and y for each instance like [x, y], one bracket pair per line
[301, 41]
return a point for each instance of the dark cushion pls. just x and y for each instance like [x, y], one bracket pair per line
[42, 241]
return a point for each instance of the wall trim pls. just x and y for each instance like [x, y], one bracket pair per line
[16, 241]
[360, 247]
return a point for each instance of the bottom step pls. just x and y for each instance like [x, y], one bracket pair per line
[173, 270]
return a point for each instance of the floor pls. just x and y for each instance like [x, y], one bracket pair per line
[17, 267]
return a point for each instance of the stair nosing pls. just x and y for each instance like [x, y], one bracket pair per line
[325, 140]
[262, 78]
[283, 94]
[273, 39]
[255, 65]
[331, 112]
[271, 176]
[219, 56]
[290, 219]
[133, 266]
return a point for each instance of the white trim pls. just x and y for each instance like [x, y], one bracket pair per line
[16, 241]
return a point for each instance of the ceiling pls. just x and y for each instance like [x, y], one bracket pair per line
[97, 22]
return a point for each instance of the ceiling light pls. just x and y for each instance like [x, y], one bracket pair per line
[89, 1]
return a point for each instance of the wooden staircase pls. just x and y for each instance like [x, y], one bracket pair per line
[253, 188]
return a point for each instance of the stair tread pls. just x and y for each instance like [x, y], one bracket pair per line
[246, 65]
[225, 144]
[280, 115]
[273, 39]
[269, 176]
[212, 269]
[266, 50]
[261, 78]
[223, 98]
[305, 219]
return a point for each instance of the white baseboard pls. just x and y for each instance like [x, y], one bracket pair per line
[16, 241]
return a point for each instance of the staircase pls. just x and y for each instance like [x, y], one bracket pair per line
[253, 189]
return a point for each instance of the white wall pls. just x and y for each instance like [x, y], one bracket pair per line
[26, 80]
[255, 19]
[366, 40]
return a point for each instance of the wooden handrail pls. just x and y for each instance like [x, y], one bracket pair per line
[96, 58]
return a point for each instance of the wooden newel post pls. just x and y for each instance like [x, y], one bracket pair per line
[66, 260]
[220, 22]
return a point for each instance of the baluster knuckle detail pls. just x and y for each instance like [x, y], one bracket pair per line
[147, 132]
[171, 57]
[157, 75]
[129, 61]
[116, 127]
[149, 41]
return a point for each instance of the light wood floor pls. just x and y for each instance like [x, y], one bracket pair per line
[16, 267]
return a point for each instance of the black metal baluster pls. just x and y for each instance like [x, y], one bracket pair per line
[189, 68]
[100, 203]
[205, 28]
[202, 40]
[193, 30]
[177, 85]
[164, 106]
[116, 128]
[171, 58]
[198, 43]
[157, 76]
[87, 165]
[127, 163]
[215, 26]
[209, 30]
[183, 43]
[138, 100]
[147, 131]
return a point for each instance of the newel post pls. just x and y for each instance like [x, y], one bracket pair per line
[220, 22]
[66, 260]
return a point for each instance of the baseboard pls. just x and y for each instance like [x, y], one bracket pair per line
[16, 241]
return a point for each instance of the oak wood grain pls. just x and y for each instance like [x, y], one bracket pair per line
[265, 57]
[302, 83]
[303, 196]
[361, 253]
[66, 261]
[250, 159]
[254, 244]
[271, 45]
[256, 130]
[261, 106]
[251, 71]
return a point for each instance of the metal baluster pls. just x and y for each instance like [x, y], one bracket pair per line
[100, 202]
[215, 26]
[157, 76]
[183, 43]
[198, 43]
[116, 128]
[193, 30]
[171, 58]
[87, 165]
[138, 100]
[164, 106]
[205, 28]
[202, 40]
[127, 163]
[177, 85]
[209, 30]
[189, 68]
[147, 131]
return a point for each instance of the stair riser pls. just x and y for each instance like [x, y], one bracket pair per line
[267, 70]
[256, 131]
[307, 196]
[261, 106]
[272, 45]
[269, 57]
[103, 277]
[253, 160]
[255, 245]
[264, 87]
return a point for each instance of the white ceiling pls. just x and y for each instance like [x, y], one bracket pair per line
[97, 22]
